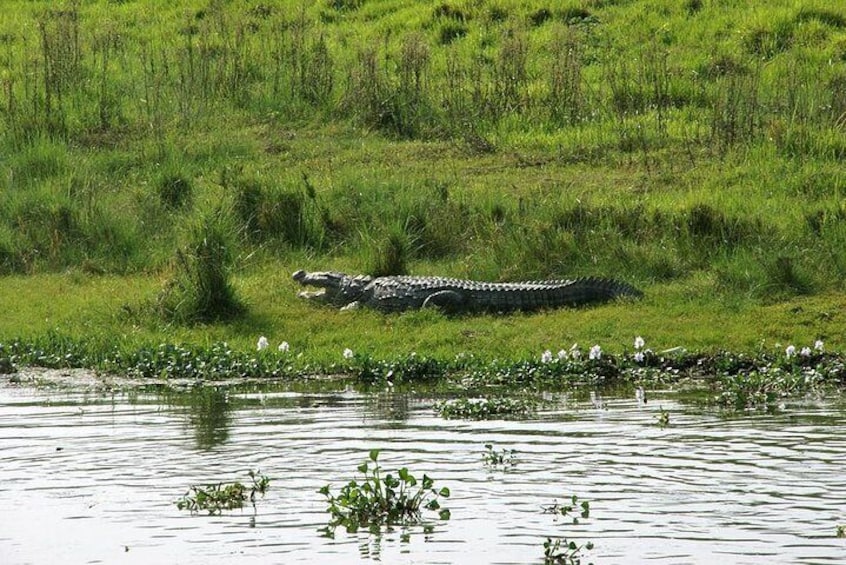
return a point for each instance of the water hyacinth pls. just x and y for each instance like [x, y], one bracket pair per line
[595, 353]
[818, 346]
[639, 343]
[284, 347]
[348, 353]
[806, 352]
[638, 357]
[790, 352]
[574, 351]
[546, 357]
[262, 343]
[562, 355]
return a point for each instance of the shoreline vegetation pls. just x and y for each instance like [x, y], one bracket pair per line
[166, 170]
[486, 387]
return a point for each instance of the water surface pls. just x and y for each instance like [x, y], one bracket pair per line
[92, 478]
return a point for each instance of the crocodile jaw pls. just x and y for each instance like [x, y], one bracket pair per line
[328, 282]
[334, 288]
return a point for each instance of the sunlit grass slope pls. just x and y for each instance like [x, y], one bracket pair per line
[693, 148]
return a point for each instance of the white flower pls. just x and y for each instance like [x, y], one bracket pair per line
[639, 343]
[595, 352]
[546, 357]
[818, 345]
[348, 353]
[790, 351]
[638, 357]
[574, 351]
[806, 352]
[262, 343]
[562, 354]
[284, 347]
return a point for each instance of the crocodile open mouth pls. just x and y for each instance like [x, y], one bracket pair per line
[313, 294]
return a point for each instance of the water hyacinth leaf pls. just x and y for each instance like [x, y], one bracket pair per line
[378, 502]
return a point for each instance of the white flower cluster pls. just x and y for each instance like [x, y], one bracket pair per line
[790, 352]
[263, 344]
[563, 354]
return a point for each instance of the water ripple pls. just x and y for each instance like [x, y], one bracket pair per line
[101, 475]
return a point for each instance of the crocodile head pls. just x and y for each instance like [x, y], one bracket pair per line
[337, 289]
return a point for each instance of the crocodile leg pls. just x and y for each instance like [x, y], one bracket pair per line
[448, 301]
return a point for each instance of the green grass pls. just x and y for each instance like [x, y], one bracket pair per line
[693, 149]
[110, 310]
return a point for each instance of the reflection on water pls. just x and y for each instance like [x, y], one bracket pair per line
[87, 478]
[209, 415]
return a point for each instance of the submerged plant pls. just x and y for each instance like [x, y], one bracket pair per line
[382, 500]
[215, 498]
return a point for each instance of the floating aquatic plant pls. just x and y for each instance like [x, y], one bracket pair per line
[663, 418]
[567, 509]
[486, 408]
[735, 381]
[382, 500]
[560, 550]
[215, 498]
[499, 457]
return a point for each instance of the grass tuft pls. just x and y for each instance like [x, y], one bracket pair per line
[200, 289]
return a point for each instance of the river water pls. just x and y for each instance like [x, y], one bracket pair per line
[88, 477]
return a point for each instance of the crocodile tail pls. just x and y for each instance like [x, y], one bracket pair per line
[591, 290]
[611, 288]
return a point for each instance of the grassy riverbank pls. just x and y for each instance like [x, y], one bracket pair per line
[693, 149]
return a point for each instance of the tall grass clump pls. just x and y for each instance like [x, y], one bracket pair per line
[200, 287]
[565, 98]
[57, 227]
[388, 254]
[393, 98]
[276, 213]
[175, 189]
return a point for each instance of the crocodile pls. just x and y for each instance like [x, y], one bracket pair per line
[457, 296]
